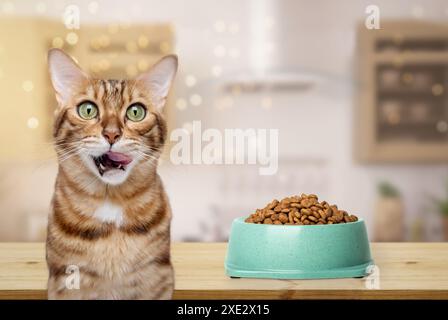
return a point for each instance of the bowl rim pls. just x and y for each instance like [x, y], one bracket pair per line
[240, 220]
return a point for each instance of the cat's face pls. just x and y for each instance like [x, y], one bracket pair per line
[112, 126]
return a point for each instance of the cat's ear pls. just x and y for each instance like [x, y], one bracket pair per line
[159, 78]
[65, 75]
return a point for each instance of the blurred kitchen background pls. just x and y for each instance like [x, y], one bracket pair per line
[362, 114]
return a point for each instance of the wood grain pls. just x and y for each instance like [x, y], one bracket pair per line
[407, 271]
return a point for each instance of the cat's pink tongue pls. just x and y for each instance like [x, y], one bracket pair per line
[121, 158]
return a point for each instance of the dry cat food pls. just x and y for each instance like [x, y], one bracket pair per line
[300, 210]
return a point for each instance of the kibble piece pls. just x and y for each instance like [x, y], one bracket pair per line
[305, 203]
[294, 199]
[269, 213]
[300, 210]
[283, 218]
[305, 211]
[291, 216]
[322, 214]
[273, 204]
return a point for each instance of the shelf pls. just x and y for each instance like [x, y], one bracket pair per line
[398, 59]
[403, 93]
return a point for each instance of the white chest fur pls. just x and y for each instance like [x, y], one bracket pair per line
[109, 212]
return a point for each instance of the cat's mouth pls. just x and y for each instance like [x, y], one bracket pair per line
[111, 161]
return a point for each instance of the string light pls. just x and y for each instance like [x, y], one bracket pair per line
[32, 123]
[181, 104]
[104, 41]
[195, 100]
[93, 7]
[27, 85]
[143, 65]
[190, 81]
[442, 126]
[57, 42]
[71, 38]
[41, 7]
[220, 26]
[143, 41]
[437, 89]
[216, 71]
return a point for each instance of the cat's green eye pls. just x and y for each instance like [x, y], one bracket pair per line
[136, 112]
[87, 110]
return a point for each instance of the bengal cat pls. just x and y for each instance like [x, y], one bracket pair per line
[109, 225]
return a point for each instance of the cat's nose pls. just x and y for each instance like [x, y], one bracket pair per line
[111, 135]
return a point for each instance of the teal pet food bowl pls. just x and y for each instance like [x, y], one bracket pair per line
[298, 252]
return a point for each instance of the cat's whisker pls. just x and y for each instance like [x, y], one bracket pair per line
[65, 156]
[147, 156]
[68, 151]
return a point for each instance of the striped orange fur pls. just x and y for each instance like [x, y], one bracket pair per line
[114, 229]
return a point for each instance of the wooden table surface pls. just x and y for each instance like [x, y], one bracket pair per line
[406, 271]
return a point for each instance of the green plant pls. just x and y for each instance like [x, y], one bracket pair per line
[388, 190]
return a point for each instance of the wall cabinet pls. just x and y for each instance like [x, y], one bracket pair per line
[401, 109]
